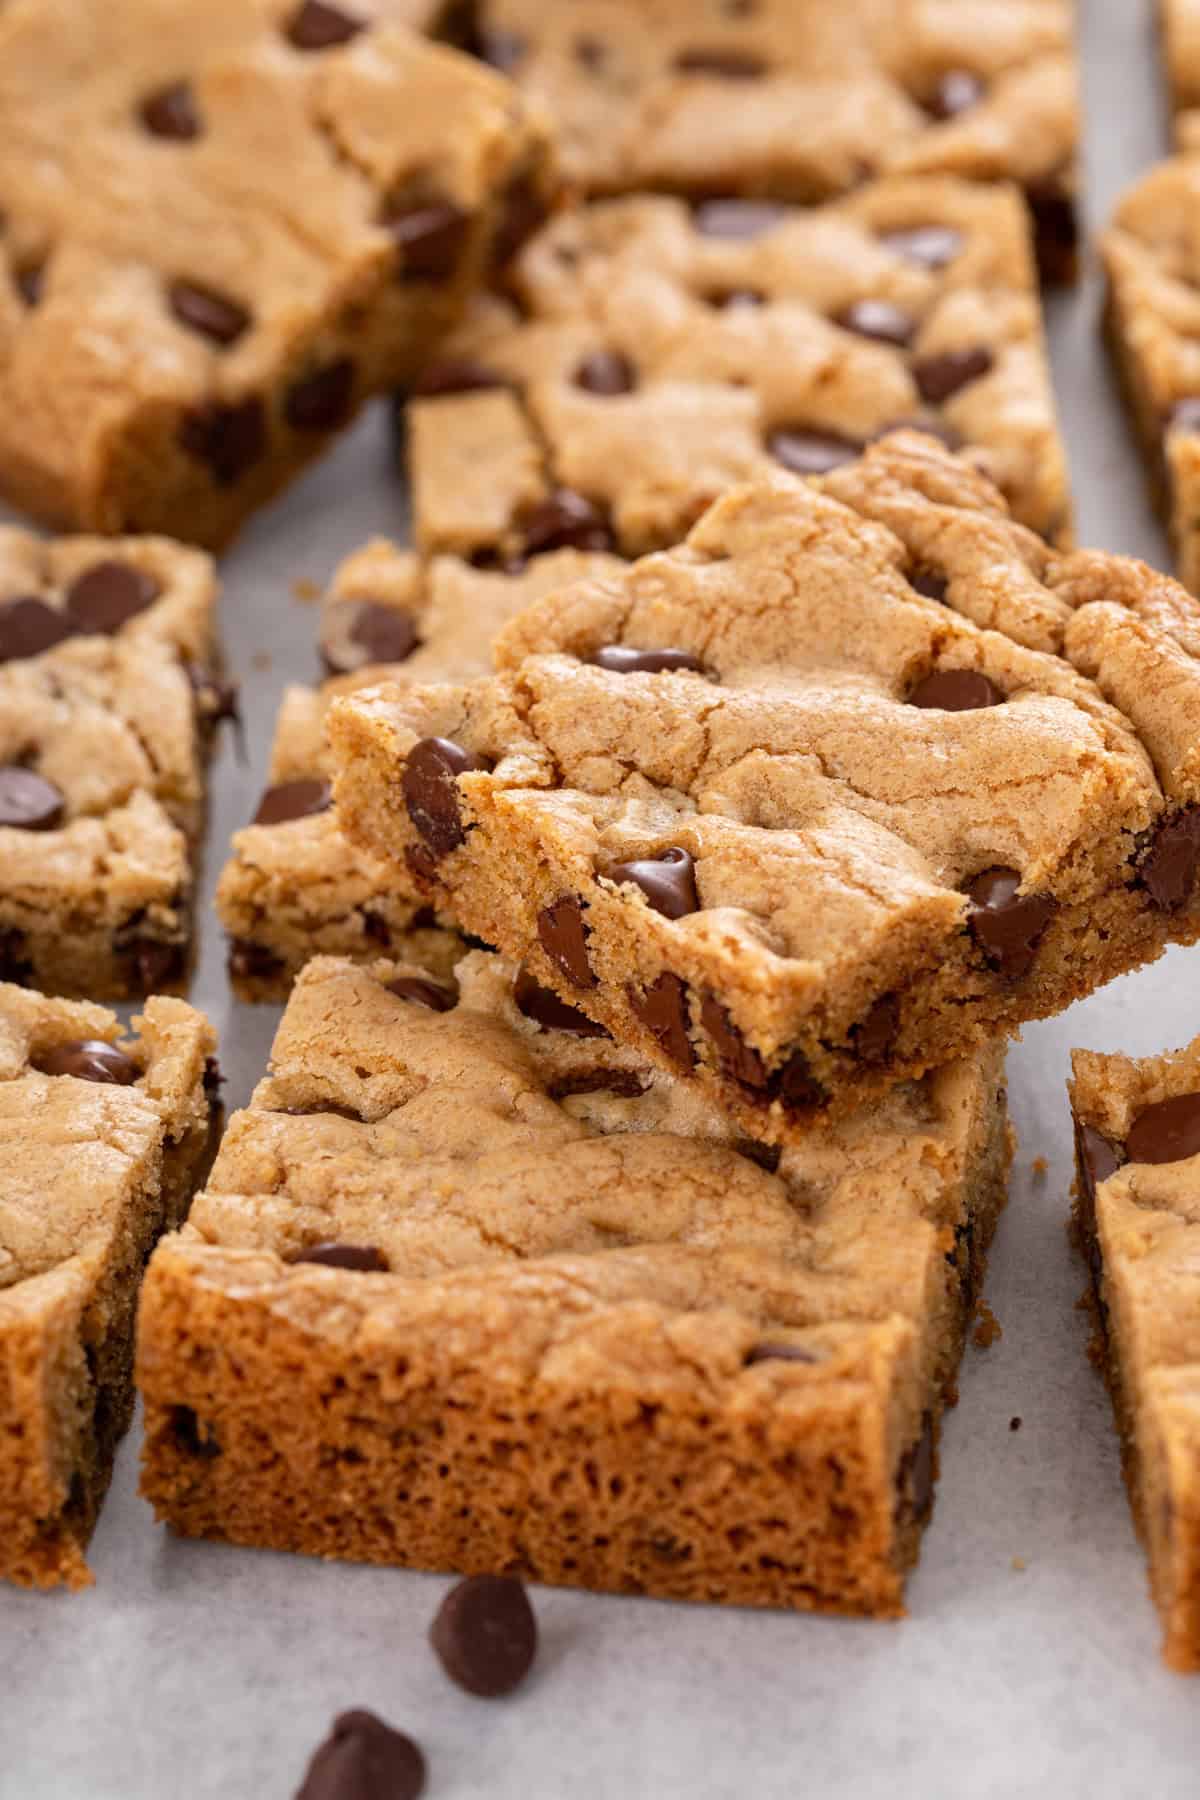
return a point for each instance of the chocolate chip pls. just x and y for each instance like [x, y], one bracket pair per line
[767, 1156]
[462, 375]
[253, 962]
[663, 1009]
[929, 582]
[668, 881]
[321, 401]
[88, 1059]
[914, 1477]
[30, 283]
[725, 65]
[955, 690]
[485, 1635]
[734, 299]
[15, 965]
[229, 439]
[502, 50]
[153, 964]
[931, 246]
[1055, 232]
[358, 632]
[738, 1059]
[563, 936]
[431, 238]
[323, 1108]
[590, 53]
[624, 1084]
[420, 863]
[108, 595]
[315, 25]
[796, 1085]
[545, 1008]
[202, 309]
[878, 320]
[364, 1259]
[27, 801]
[430, 788]
[424, 992]
[1098, 1157]
[288, 800]
[364, 1759]
[1165, 1133]
[873, 1039]
[736, 218]
[187, 1432]
[1169, 862]
[170, 112]
[939, 377]
[28, 627]
[606, 372]
[1007, 925]
[524, 212]
[807, 452]
[794, 1353]
[566, 520]
[623, 659]
[957, 91]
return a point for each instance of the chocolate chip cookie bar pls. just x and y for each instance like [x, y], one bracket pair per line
[851, 780]
[798, 100]
[223, 228]
[105, 1138]
[294, 886]
[474, 1288]
[1153, 320]
[656, 353]
[110, 689]
[1137, 1202]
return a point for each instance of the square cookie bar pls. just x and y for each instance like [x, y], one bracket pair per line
[474, 1288]
[105, 1138]
[800, 99]
[849, 782]
[1151, 257]
[224, 226]
[655, 353]
[109, 693]
[1137, 1204]
[294, 886]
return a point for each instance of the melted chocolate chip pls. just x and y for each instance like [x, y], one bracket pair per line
[873, 1039]
[431, 793]
[321, 401]
[28, 627]
[315, 25]
[525, 211]
[545, 1008]
[288, 800]
[153, 964]
[1098, 1157]
[623, 659]
[424, 992]
[28, 802]
[171, 112]
[421, 863]
[957, 91]
[364, 1759]
[794, 1353]
[431, 238]
[1169, 862]
[1007, 925]
[929, 582]
[624, 1084]
[1165, 1133]
[955, 690]
[736, 218]
[739, 1060]
[503, 50]
[30, 283]
[88, 1059]
[228, 439]
[606, 373]
[807, 452]
[931, 246]
[725, 65]
[668, 881]
[190, 1437]
[563, 936]
[202, 309]
[461, 375]
[364, 1259]
[734, 299]
[878, 320]
[590, 53]
[940, 377]
[485, 1635]
[796, 1085]
[767, 1156]
[108, 595]
[253, 962]
[663, 1010]
[566, 520]
[15, 965]
[358, 632]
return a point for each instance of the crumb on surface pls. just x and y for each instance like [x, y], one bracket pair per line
[1018, 1564]
[1039, 1168]
[1015, 1423]
[305, 590]
[988, 1329]
[261, 660]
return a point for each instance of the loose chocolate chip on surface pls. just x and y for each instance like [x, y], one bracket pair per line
[502, 50]
[663, 1010]
[807, 452]
[188, 1434]
[929, 582]
[171, 112]
[28, 802]
[668, 881]
[878, 320]
[1169, 864]
[485, 1635]
[623, 659]
[229, 439]
[957, 91]
[940, 377]
[545, 1008]
[1007, 925]
[362, 1258]
[321, 401]
[88, 1059]
[461, 375]
[364, 1759]
[424, 991]
[796, 1085]
[524, 212]
[955, 690]
[108, 594]
[431, 793]
[794, 1353]
[624, 1084]
[1166, 1133]
[932, 246]
[315, 25]
[202, 309]
[873, 1039]
[566, 520]
[767, 1156]
[1098, 1157]
[725, 65]
[288, 800]
[563, 936]
[736, 218]
[358, 632]
[739, 1060]
[28, 626]
[606, 373]
[431, 238]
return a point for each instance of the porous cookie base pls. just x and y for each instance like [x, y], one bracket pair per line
[589, 1406]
